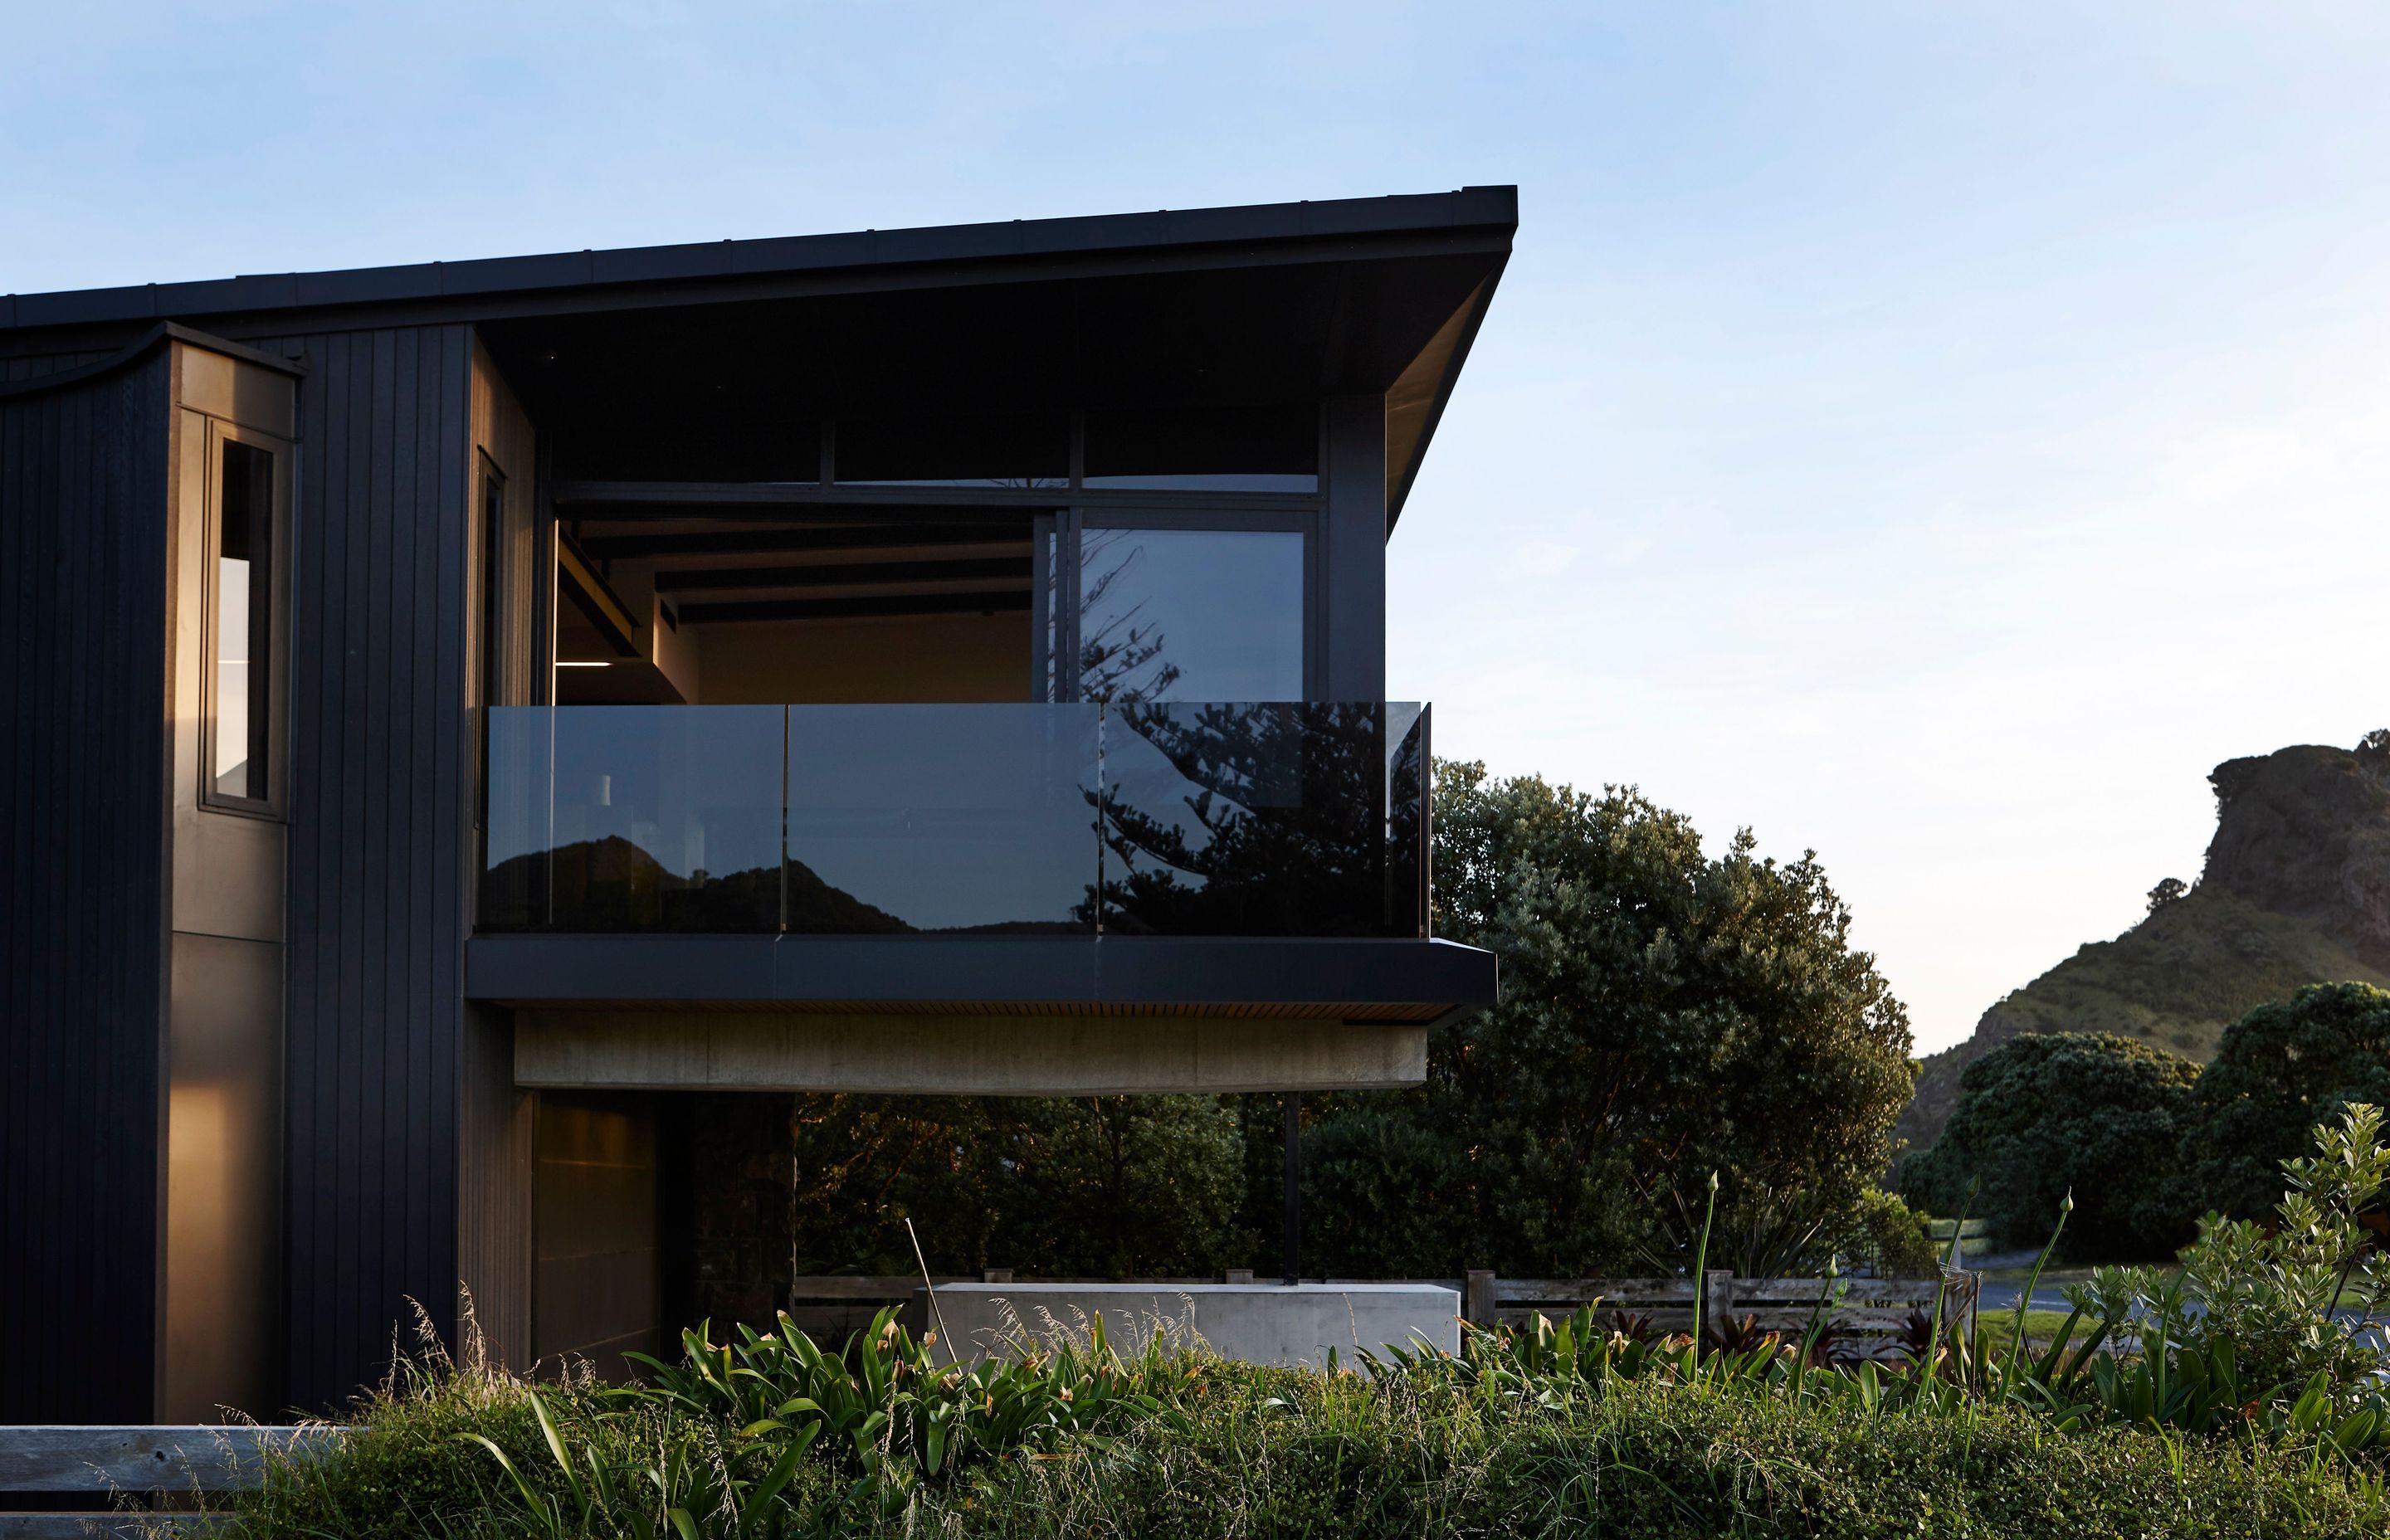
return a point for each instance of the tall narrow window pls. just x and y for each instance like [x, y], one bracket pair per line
[244, 612]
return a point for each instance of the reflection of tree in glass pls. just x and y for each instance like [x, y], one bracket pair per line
[1270, 821]
[1121, 658]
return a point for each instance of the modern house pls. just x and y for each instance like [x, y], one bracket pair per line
[469, 728]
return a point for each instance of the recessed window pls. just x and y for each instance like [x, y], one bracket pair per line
[244, 615]
[934, 450]
[1257, 449]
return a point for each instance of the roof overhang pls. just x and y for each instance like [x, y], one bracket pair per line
[1272, 301]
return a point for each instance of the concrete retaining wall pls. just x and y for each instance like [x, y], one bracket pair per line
[1257, 1322]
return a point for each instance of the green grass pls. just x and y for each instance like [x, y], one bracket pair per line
[2000, 1327]
[1545, 1434]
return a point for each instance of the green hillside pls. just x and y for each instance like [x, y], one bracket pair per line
[2296, 890]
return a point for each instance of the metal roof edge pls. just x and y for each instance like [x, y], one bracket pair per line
[1480, 208]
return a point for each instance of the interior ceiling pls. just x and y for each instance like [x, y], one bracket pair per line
[892, 561]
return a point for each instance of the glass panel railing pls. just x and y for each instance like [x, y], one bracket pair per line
[653, 817]
[1168, 819]
[964, 818]
[1260, 819]
[1411, 782]
[515, 773]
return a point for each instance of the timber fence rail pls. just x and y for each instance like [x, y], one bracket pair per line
[1856, 1307]
[68, 1480]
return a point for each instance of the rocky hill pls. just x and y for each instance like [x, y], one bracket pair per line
[2296, 890]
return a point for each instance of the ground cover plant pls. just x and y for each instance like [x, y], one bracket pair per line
[2220, 1399]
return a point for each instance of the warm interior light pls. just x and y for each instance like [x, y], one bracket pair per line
[575, 663]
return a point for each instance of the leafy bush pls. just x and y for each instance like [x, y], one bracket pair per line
[1889, 1237]
[1095, 1185]
[1662, 1012]
[2278, 1071]
[2258, 1301]
[2093, 1114]
[1378, 1194]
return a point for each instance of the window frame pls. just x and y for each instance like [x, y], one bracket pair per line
[274, 806]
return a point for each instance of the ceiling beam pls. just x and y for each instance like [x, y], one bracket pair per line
[867, 538]
[840, 609]
[707, 499]
[847, 574]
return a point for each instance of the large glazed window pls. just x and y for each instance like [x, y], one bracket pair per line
[239, 757]
[1190, 614]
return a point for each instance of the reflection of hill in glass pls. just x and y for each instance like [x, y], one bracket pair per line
[612, 885]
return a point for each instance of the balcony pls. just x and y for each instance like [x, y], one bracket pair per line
[994, 898]
[1253, 820]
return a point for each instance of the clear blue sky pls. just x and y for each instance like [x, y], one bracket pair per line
[1934, 434]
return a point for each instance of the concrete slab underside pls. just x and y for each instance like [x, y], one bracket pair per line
[898, 1055]
[1255, 1322]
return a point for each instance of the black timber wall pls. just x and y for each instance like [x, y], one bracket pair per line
[83, 898]
[378, 823]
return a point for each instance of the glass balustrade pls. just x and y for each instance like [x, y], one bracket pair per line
[919, 818]
[1166, 819]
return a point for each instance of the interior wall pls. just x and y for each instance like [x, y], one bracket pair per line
[597, 1290]
[937, 659]
[504, 435]
[497, 1120]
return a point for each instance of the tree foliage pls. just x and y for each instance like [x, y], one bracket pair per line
[2096, 1114]
[2279, 1071]
[1665, 1014]
[1085, 1187]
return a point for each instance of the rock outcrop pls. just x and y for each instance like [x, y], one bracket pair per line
[2296, 890]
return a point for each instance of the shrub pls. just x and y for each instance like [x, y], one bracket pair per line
[1889, 1237]
[1662, 1011]
[2254, 1303]
[2095, 1114]
[1093, 1185]
[2278, 1071]
[1378, 1186]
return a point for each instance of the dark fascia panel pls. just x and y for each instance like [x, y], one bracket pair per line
[139, 348]
[1494, 208]
[1125, 970]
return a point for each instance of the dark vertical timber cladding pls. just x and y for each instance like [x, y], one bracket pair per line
[82, 905]
[376, 1003]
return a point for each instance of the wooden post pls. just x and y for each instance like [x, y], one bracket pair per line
[1477, 1297]
[1717, 1298]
